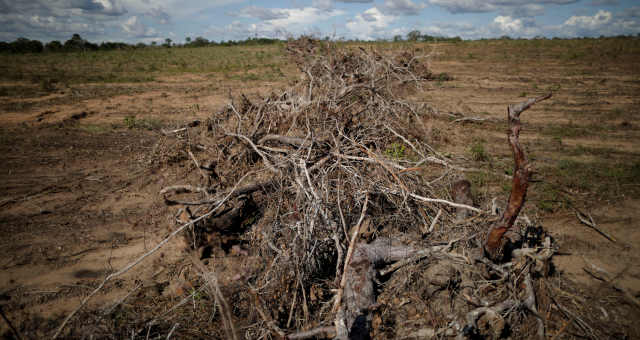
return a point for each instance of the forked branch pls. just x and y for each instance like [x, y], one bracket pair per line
[501, 235]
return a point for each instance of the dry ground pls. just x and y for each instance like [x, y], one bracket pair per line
[81, 166]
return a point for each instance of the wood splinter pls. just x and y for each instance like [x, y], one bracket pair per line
[502, 237]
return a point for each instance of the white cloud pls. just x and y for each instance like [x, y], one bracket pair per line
[322, 4]
[303, 16]
[261, 13]
[508, 24]
[590, 22]
[288, 22]
[160, 15]
[370, 25]
[110, 7]
[137, 29]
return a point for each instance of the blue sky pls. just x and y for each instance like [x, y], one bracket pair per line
[156, 20]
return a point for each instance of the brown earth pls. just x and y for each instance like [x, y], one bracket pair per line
[80, 180]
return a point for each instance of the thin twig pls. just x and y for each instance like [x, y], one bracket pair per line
[592, 224]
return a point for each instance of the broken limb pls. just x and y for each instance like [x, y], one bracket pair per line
[501, 235]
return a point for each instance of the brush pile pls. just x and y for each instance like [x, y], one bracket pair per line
[323, 185]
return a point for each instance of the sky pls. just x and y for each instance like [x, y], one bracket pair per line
[155, 20]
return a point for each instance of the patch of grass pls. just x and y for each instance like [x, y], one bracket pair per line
[602, 180]
[131, 122]
[444, 77]
[478, 152]
[140, 65]
[396, 151]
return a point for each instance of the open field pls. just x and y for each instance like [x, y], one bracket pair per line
[84, 157]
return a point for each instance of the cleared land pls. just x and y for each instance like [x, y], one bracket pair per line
[84, 159]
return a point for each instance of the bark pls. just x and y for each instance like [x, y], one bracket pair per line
[353, 317]
[502, 237]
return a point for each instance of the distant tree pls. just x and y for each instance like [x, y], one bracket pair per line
[75, 43]
[24, 45]
[141, 45]
[397, 38]
[5, 47]
[154, 43]
[427, 37]
[53, 46]
[200, 42]
[188, 39]
[167, 42]
[413, 35]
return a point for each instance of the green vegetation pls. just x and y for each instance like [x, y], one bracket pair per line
[143, 65]
[396, 151]
[95, 128]
[131, 122]
[478, 153]
[601, 180]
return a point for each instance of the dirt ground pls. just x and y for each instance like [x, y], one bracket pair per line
[80, 180]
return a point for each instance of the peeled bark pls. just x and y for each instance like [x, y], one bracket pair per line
[502, 237]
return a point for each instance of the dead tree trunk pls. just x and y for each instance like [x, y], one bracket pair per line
[502, 237]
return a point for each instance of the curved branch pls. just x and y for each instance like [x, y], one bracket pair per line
[495, 243]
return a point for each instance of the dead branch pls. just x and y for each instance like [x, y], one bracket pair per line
[604, 276]
[592, 224]
[348, 112]
[492, 313]
[211, 280]
[324, 332]
[294, 141]
[495, 243]
[530, 303]
[352, 321]
[470, 119]
[347, 260]
[13, 329]
[435, 221]
[417, 256]
[267, 162]
[438, 200]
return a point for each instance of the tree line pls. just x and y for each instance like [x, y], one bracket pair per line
[77, 43]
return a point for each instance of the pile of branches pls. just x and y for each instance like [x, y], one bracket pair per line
[333, 179]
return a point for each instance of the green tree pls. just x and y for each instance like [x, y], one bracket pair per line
[413, 35]
[200, 42]
[53, 46]
[75, 43]
[24, 45]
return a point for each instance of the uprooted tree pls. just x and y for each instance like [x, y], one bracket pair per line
[313, 182]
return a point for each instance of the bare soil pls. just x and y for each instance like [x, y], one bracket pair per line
[80, 182]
